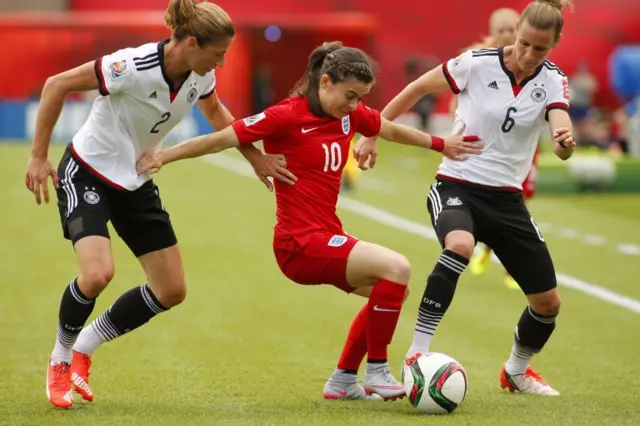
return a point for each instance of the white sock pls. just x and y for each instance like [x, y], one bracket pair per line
[375, 367]
[88, 341]
[421, 343]
[340, 376]
[519, 360]
[61, 354]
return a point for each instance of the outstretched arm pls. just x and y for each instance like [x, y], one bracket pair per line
[455, 146]
[219, 117]
[196, 147]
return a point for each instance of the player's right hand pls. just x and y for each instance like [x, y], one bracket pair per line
[151, 163]
[457, 147]
[365, 149]
[36, 180]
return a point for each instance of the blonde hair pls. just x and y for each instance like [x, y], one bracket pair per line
[205, 21]
[546, 14]
[490, 41]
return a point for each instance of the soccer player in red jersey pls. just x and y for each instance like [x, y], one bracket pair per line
[313, 130]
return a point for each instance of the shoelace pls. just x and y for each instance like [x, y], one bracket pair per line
[59, 371]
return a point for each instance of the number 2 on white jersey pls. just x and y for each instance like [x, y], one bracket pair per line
[332, 157]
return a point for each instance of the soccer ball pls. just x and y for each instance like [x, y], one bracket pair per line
[434, 383]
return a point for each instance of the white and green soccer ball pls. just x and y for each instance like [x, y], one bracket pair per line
[435, 383]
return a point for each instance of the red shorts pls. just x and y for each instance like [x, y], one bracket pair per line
[318, 258]
[529, 184]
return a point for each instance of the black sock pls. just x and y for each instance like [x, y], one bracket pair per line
[376, 361]
[133, 309]
[441, 286]
[75, 309]
[533, 330]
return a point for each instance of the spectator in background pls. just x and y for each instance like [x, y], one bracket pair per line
[624, 72]
[414, 68]
[582, 87]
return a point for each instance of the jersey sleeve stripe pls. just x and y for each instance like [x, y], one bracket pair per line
[150, 55]
[555, 105]
[450, 80]
[102, 87]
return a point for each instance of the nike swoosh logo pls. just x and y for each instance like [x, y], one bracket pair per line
[308, 130]
[376, 308]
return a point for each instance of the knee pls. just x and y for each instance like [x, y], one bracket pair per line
[461, 243]
[399, 269]
[548, 306]
[172, 295]
[95, 279]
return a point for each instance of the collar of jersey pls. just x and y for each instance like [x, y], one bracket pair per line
[167, 80]
[508, 72]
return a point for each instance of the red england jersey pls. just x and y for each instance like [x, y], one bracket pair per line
[316, 149]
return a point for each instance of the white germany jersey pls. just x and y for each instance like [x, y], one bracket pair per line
[138, 107]
[507, 116]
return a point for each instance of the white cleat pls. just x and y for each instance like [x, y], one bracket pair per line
[379, 380]
[529, 382]
[336, 389]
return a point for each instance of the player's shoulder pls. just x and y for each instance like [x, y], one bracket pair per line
[134, 60]
[553, 71]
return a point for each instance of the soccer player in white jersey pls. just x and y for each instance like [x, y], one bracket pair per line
[502, 32]
[504, 96]
[145, 92]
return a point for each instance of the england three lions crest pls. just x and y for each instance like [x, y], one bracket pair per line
[346, 124]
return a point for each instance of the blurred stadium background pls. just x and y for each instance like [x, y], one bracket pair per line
[249, 347]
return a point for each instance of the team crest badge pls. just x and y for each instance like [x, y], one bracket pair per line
[454, 201]
[119, 69]
[91, 197]
[337, 241]
[191, 96]
[346, 124]
[538, 95]
[254, 119]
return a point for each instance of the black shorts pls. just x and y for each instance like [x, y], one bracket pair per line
[86, 203]
[500, 219]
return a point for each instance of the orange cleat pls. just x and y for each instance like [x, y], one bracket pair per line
[59, 385]
[529, 382]
[80, 375]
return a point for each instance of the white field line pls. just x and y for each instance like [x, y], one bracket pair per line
[381, 216]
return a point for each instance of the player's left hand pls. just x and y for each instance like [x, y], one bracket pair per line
[366, 149]
[274, 166]
[564, 137]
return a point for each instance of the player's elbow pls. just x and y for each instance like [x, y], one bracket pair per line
[55, 85]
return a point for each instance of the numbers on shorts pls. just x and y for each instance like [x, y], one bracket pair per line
[332, 157]
[509, 122]
[165, 117]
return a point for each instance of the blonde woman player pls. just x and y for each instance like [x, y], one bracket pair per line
[502, 27]
[145, 92]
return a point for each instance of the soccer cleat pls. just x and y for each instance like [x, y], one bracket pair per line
[511, 283]
[80, 375]
[335, 389]
[529, 382]
[480, 262]
[59, 384]
[381, 381]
